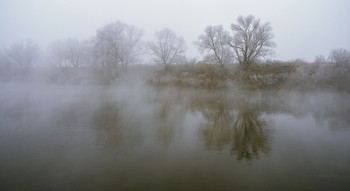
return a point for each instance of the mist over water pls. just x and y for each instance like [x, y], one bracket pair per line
[133, 136]
[121, 110]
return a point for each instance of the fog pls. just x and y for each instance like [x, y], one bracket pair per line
[174, 95]
[136, 136]
[302, 29]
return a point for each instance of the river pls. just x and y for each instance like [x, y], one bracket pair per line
[138, 137]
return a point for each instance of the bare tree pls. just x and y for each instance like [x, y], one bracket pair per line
[87, 50]
[215, 42]
[22, 55]
[67, 54]
[168, 47]
[320, 59]
[117, 44]
[339, 56]
[339, 68]
[332, 73]
[251, 40]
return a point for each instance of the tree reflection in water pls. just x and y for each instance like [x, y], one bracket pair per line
[165, 129]
[235, 123]
[249, 135]
[232, 123]
[218, 116]
[114, 124]
[168, 116]
[106, 120]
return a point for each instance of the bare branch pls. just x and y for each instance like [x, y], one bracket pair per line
[168, 47]
[251, 40]
[214, 41]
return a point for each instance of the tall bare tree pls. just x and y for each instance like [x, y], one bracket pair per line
[251, 40]
[67, 54]
[214, 41]
[168, 47]
[22, 55]
[339, 56]
[117, 44]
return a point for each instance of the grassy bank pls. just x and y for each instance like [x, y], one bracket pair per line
[262, 76]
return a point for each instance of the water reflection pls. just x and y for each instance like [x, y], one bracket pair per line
[219, 116]
[234, 122]
[165, 129]
[106, 120]
[116, 138]
[250, 135]
[168, 116]
[336, 112]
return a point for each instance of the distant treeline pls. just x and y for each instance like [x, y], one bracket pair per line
[236, 58]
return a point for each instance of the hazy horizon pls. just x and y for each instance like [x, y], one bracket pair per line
[302, 29]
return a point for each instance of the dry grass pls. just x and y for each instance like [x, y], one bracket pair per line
[213, 76]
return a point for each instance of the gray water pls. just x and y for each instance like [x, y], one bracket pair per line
[136, 137]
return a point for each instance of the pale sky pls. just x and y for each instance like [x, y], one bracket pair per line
[302, 28]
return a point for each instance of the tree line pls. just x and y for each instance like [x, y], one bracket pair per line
[117, 45]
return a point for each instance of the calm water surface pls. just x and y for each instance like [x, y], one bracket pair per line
[135, 137]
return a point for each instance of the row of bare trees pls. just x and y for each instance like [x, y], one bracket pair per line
[119, 44]
[249, 41]
[116, 44]
[329, 73]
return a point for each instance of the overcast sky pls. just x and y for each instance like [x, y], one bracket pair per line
[302, 28]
